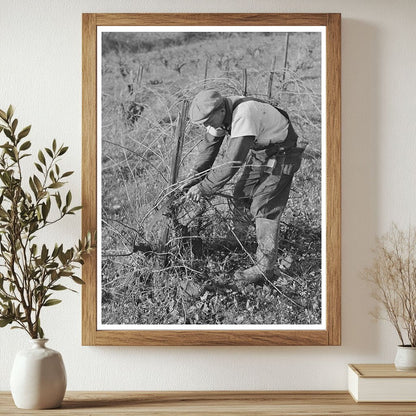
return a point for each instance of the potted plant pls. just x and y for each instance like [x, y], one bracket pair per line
[393, 276]
[31, 273]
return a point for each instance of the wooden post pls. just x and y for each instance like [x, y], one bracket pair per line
[270, 86]
[285, 62]
[176, 159]
[140, 76]
[206, 73]
[136, 79]
[179, 138]
[245, 82]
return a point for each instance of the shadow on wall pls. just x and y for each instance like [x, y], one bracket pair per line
[360, 180]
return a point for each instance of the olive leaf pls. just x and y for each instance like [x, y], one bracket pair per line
[51, 302]
[23, 134]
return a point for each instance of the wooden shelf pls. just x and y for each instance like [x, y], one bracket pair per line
[318, 403]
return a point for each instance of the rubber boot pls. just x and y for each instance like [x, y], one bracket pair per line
[267, 232]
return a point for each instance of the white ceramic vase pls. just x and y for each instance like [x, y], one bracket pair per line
[38, 378]
[405, 358]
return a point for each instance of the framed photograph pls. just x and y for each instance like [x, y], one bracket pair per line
[211, 172]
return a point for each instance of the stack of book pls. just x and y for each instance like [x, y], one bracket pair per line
[381, 383]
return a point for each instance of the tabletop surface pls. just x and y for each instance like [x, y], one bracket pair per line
[180, 403]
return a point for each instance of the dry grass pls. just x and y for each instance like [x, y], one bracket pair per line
[393, 276]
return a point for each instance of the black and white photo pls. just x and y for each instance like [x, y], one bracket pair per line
[211, 180]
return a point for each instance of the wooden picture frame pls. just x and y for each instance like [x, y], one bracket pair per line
[330, 334]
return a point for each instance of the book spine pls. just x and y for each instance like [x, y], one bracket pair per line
[353, 381]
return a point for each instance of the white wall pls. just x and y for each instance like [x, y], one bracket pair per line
[40, 73]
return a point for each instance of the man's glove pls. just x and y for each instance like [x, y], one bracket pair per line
[194, 193]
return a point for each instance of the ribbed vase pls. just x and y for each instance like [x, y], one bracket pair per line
[38, 377]
[405, 358]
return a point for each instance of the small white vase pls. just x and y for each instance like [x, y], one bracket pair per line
[38, 378]
[405, 358]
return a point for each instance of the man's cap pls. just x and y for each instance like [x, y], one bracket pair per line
[204, 103]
